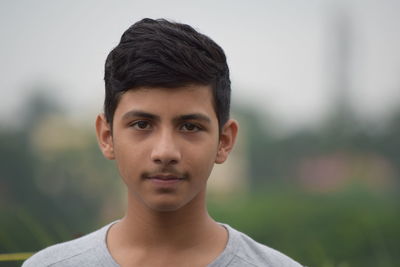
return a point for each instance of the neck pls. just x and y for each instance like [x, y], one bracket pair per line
[148, 228]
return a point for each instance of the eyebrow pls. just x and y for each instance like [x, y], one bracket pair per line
[185, 117]
[141, 114]
[194, 116]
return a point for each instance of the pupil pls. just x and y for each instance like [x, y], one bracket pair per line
[142, 124]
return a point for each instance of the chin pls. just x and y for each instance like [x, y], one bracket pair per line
[164, 207]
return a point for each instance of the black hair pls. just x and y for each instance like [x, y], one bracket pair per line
[160, 53]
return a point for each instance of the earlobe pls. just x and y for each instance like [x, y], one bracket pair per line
[227, 140]
[104, 136]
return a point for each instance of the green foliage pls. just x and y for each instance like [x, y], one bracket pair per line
[351, 228]
[33, 216]
[51, 189]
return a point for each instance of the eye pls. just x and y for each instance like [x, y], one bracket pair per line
[190, 127]
[141, 125]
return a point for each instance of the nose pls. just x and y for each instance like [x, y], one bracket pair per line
[165, 149]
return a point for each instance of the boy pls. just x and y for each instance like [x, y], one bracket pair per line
[165, 123]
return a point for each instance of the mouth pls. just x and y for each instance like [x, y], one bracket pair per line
[165, 179]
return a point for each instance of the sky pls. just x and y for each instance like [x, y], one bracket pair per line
[283, 54]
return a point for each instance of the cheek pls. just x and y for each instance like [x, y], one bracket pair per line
[202, 160]
[128, 157]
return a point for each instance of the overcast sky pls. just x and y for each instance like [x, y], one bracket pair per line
[280, 52]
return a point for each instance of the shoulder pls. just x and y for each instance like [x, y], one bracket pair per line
[248, 252]
[80, 251]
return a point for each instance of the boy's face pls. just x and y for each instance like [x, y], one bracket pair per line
[165, 142]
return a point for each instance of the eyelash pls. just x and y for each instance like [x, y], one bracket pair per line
[196, 128]
[136, 123]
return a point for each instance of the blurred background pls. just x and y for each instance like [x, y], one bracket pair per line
[316, 90]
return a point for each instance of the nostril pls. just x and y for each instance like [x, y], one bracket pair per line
[158, 161]
[167, 162]
[165, 151]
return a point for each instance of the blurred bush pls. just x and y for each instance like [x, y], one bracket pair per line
[54, 183]
[349, 228]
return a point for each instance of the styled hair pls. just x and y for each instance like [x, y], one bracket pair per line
[160, 53]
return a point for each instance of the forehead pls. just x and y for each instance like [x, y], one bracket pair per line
[159, 100]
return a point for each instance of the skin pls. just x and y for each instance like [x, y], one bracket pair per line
[165, 143]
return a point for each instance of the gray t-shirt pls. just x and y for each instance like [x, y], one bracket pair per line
[91, 250]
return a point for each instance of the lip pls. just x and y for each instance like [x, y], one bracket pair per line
[165, 180]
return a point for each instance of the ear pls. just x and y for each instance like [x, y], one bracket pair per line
[227, 140]
[104, 136]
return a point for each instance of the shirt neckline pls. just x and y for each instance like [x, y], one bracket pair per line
[225, 256]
